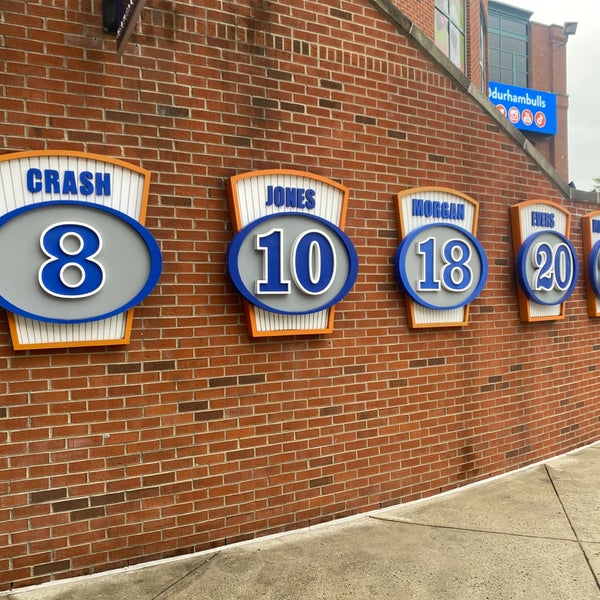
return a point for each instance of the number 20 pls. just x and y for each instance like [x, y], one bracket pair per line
[553, 267]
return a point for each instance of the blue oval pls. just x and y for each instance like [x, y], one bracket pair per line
[245, 267]
[524, 260]
[593, 271]
[129, 256]
[405, 281]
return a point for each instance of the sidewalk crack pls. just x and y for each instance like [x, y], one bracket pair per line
[476, 530]
[572, 526]
[177, 581]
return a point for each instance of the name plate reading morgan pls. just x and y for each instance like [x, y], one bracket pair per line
[440, 264]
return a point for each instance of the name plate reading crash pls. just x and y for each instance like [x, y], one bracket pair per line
[74, 254]
[545, 261]
[440, 264]
[289, 259]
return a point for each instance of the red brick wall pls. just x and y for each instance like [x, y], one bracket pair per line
[420, 12]
[195, 435]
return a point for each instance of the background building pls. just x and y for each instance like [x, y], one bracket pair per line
[494, 41]
[531, 55]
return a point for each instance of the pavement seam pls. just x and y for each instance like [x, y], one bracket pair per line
[488, 531]
[572, 526]
[177, 581]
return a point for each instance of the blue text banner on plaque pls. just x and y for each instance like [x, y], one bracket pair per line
[527, 109]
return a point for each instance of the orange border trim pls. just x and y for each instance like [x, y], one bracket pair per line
[233, 199]
[141, 219]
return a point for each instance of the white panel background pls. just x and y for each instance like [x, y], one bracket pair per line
[421, 314]
[127, 188]
[251, 194]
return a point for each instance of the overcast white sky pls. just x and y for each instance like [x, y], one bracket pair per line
[583, 80]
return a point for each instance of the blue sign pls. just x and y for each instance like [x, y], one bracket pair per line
[526, 109]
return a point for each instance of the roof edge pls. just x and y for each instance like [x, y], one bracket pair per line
[398, 18]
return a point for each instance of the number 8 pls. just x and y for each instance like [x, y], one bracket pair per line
[71, 270]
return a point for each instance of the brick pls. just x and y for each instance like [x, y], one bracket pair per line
[366, 120]
[107, 499]
[222, 381]
[200, 405]
[52, 567]
[69, 505]
[208, 415]
[173, 111]
[331, 85]
[340, 14]
[321, 481]
[48, 495]
[134, 367]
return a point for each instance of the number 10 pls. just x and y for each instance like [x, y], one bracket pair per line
[312, 262]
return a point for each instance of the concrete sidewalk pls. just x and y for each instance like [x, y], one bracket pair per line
[532, 535]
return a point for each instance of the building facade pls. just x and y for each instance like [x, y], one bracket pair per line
[497, 42]
[193, 431]
[531, 55]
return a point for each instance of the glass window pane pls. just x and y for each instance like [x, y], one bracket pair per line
[521, 79]
[493, 40]
[457, 47]
[495, 74]
[507, 60]
[514, 46]
[516, 27]
[457, 13]
[443, 6]
[506, 76]
[441, 32]
[494, 57]
[493, 22]
[522, 63]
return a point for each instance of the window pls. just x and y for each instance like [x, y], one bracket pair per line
[508, 44]
[482, 48]
[450, 25]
